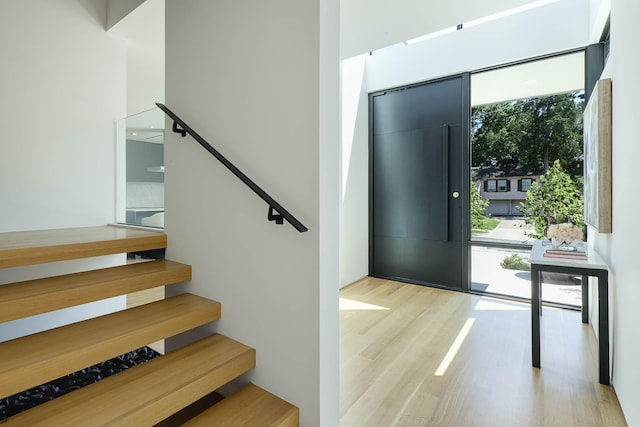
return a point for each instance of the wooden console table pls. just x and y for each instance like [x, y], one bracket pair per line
[592, 266]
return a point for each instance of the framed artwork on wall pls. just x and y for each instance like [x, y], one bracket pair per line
[597, 158]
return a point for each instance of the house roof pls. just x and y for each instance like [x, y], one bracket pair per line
[510, 171]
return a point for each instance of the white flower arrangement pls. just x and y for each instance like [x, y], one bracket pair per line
[564, 233]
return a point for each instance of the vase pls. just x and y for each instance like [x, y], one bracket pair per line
[557, 242]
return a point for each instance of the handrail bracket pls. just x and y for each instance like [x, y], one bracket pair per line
[274, 215]
[179, 130]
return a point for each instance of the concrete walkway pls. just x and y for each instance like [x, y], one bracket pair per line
[488, 276]
[511, 229]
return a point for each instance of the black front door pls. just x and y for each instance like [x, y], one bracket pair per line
[419, 185]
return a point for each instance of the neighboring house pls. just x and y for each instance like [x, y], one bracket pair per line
[505, 188]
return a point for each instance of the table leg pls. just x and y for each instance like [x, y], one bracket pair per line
[535, 315]
[603, 325]
[585, 299]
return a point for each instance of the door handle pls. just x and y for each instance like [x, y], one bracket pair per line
[445, 182]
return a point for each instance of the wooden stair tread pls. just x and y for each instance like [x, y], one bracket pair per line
[35, 247]
[248, 407]
[23, 299]
[147, 394]
[35, 359]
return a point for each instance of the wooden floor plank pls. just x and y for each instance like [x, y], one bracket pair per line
[35, 247]
[400, 365]
[38, 358]
[32, 297]
[147, 394]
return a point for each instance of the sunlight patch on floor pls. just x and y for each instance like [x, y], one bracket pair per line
[350, 304]
[487, 304]
[453, 350]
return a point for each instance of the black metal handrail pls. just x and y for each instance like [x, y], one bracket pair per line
[276, 212]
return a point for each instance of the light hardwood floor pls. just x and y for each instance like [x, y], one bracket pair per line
[394, 338]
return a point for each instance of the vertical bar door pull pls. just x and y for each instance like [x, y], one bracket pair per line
[445, 183]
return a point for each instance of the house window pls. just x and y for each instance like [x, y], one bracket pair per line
[494, 185]
[525, 184]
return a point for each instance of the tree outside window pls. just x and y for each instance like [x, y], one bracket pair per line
[535, 135]
[530, 133]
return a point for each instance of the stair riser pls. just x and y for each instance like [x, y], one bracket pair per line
[55, 300]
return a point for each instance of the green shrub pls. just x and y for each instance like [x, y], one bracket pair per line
[478, 209]
[514, 262]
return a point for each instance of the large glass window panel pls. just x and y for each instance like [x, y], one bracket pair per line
[507, 272]
[515, 138]
[141, 169]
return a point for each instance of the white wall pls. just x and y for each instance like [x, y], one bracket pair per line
[63, 87]
[118, 9]
[598, 14]
[354, 202]
[329, 206]
[143, 30]
[620, 247]
[260, 81]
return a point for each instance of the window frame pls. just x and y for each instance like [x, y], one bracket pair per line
[521, 185]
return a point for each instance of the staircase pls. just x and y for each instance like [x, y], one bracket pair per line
[143, 395]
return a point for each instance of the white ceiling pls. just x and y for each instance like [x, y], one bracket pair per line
[367, 25]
